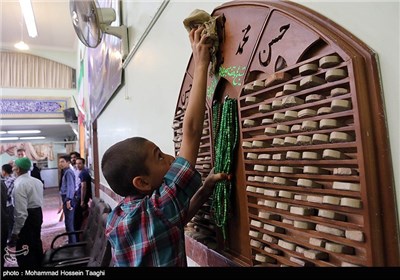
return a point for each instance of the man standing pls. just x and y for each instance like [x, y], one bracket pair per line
[83, 194]
[4, 221]
[8, 179]
[35, 172]
[28, 215]
[74, 156]
[67, 192]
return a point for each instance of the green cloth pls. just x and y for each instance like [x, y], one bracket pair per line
[23, 163]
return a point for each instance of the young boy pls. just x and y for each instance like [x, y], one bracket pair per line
[67, 193]
[161, 193]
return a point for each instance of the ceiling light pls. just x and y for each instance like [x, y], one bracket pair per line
[8, 138]
[21, 46]
[27, 11]
[23, 131]
[32, 138]
[3, 132]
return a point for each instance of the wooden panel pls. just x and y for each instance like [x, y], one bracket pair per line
[313, 180]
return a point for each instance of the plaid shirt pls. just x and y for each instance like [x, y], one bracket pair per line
[9, 181]
[149, 230]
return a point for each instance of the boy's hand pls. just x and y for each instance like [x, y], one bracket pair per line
[200, 46]
[204, 193]
[213, 178]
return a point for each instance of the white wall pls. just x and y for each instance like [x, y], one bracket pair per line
[50, 177]
[145, 105]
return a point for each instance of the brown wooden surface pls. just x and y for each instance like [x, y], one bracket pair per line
[262, 39]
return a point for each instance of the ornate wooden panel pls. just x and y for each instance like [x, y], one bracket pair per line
[313, 181]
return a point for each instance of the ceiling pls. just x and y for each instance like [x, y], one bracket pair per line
[55, 34]
[53, 22]
[57, 132]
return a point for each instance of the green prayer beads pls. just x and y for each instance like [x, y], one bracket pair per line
[225, 138]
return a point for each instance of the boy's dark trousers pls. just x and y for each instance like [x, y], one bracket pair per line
[78, 216]
[29, 243]
[69, 216]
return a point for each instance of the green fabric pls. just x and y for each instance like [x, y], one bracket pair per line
[23, 163]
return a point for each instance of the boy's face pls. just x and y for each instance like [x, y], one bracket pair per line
[73, 159]
[79, 164]
[157, 163]
[62, 163]
[20, 154]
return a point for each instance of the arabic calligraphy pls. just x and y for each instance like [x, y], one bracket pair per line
[244, 40]
[234, 72]
[266, 62]
[185, 96]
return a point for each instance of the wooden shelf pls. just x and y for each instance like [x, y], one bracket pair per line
[267, 39]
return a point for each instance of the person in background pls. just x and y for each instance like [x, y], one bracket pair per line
[35, 172]
[83, 195]
[74, 155]
[4, 221]
[161, 193]
[60, 208]
[8, 179]
[67, 192]
[28, 215]
[21, 153]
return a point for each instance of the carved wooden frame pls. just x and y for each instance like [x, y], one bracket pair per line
[269, 44]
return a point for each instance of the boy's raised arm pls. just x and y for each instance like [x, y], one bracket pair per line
[194, 115]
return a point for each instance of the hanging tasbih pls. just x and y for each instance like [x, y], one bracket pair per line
[225, 128]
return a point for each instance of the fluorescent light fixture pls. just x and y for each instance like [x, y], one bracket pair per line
[32, 138]
[3, 132]
[22, 138]
[8, 138]
[21, 46]
[27, 11]
[23, 131]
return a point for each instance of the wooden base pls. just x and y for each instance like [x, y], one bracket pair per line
[204, 256]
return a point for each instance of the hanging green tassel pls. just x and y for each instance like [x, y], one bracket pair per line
[226, 134]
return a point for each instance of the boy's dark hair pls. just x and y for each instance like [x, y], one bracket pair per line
[66, 157]
[7, 168]
[124, 161]
[78, 155]
[82, 159]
